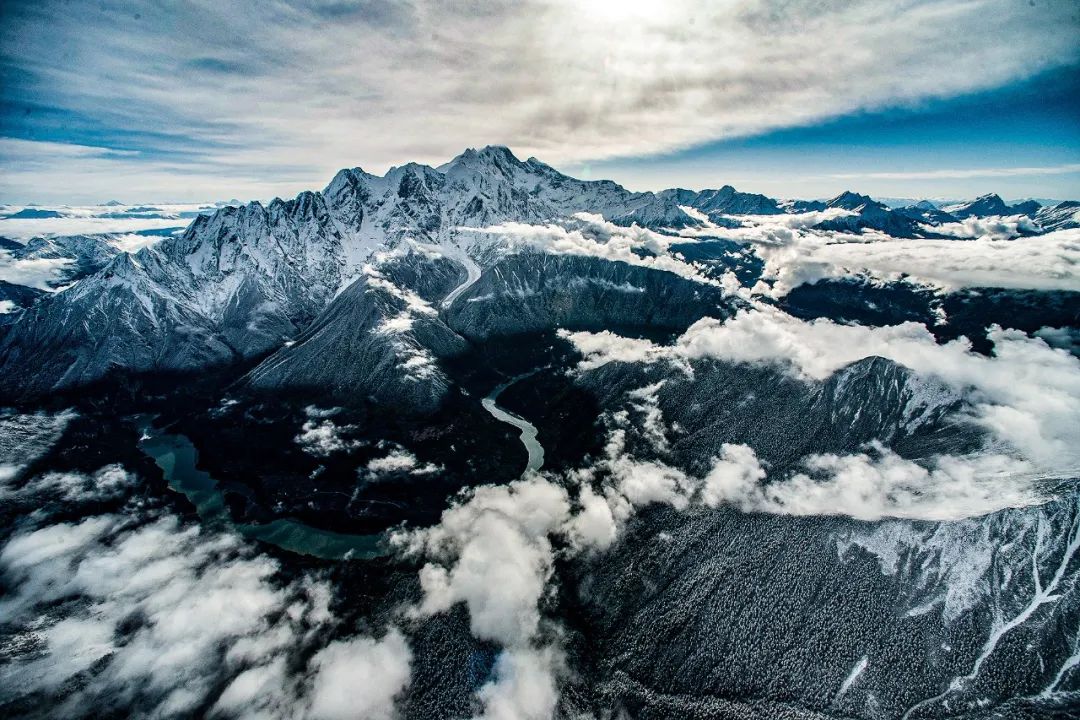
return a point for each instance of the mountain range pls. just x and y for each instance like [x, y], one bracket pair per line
[240, 283]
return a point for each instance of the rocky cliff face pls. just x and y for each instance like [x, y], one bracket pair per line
[785, 419]
[531, 292]
[379, 340]
[1062, 216]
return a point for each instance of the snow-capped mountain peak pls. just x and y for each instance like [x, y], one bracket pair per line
[849, 200]
[246, 277]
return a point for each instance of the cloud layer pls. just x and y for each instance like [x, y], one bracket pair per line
[590, 235]
[154, 96]
[1027, 394]
[140, 612]
[991, 254]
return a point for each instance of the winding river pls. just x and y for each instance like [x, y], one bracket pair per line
[528, 430]
[178, 460]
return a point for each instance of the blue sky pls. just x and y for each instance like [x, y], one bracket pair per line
[915, 98]
[1019, 140]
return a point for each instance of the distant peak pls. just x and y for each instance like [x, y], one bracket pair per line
[849, 200]
[851, 195]
[989, 204]
[409, 168]
[348, 175]
[498, 155]
[499, 150]
[489, 152]
[351, 181]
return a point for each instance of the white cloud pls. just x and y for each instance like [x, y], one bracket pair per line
[647, 403]
[360, 678]
[133, 243]
[794, 254]
[496, 557]
[89, 219]
[320, 436]
[312, 411]
[397, 460]
[38, 273]
[1047, 262]
[1066, 338]
[600, 348]
[590, 235]
[874, 485]
[30, 228]
[992, 228]
[153, 617]
[492, 551]
[109, 482]
[594, 526]
[1027, 394]
[254, 692]
[523, 687]
[734, 477]
[636, 483]
[770, 229]
[194, 593]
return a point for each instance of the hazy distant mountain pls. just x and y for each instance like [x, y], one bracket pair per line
[725, 201]
[32, 214]
[927, 212]
[991, 204]
[867, 213]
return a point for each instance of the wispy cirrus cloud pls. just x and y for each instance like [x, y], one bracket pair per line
[958, 173]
